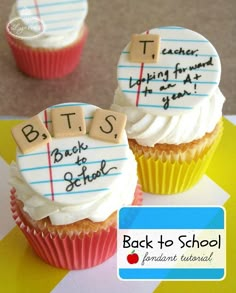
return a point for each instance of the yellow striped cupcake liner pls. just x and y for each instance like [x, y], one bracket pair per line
[160, 176]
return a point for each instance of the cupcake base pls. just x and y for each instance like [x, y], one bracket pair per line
[68, 248]
[170, 169]
[47, 63]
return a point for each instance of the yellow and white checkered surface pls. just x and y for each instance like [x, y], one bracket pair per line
[21, 271]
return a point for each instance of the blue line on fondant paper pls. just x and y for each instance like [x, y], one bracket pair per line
[204, 55]
[63, 180]
[59, 12]
[86, 118]
[76, 192]
[173, 80]
[88, 149]
[145, 66]
[161, 106]
[162, 67]
[183, 40]
[69, 105]
[108, 146]
[52, 21]
[69, 165]
[174, 55]
[41, 5]
[165, 93]
[61, 28]
[206, 70]
[171, 28]
[32, 154]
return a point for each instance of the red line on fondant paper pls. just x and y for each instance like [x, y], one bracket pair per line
[140, 77]
[139, 86]
[49, 159]
[38, 14]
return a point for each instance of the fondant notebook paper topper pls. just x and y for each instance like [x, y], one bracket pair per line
[56, 17]
[65, 169]
[186, 74]
[66, 193]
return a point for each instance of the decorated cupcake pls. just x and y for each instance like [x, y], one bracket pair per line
[73, 171]
[47, 37]
[168, 81]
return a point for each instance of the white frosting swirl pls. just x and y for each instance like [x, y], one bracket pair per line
[45, 39]
[148, 129]
[96, 210]
[98, 191]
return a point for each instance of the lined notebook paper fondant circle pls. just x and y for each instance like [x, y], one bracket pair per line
[187, 73]
[68, 170]
[58, 17]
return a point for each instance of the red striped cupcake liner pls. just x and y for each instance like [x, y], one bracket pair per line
[47, 63]
[74, 252]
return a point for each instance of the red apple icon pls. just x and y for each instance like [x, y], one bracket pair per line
[132, 258]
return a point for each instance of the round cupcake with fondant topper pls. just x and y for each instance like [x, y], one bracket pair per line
[47, 37]
[168, 81]
[73, 171]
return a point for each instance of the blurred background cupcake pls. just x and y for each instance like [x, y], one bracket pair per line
[168, 81]
[47, 37]
[66, 192]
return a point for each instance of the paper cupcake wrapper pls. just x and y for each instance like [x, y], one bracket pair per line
[186, 152]
[76, 252]
[163, 176]
[47, 63]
